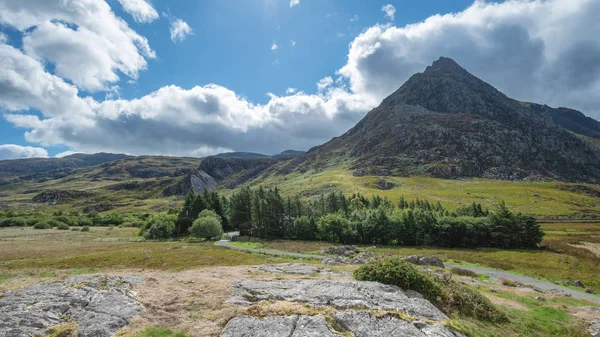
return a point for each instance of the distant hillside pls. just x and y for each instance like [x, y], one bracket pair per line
[241, 155]
[25, 167]
[569, 119]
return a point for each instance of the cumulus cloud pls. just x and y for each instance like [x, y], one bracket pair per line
[274, 46]
[180, 30]
[65, 153]
[84, 40]
[294, 3]
[290, 90]
[389, 10]
[324, 83]
[12, 151]
[292, 43]
[141, 10]
[3, 38]
[514, 45]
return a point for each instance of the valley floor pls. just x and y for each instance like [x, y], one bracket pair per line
[187, 282]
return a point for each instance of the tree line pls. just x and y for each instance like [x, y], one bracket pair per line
[356, 219]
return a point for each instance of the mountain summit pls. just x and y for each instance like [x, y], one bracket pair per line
[445, 122]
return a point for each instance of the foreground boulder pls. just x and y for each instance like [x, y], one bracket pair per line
[339, 294]
[359, 323]
[425, 260]
[100, 305]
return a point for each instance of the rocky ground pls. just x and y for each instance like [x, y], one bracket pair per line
[100, 305]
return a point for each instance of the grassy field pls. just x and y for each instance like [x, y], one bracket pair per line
[26, 253]
[565, 259]
[543, 199]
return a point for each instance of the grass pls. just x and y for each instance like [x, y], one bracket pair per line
[159, 332]
[544, 199]
[26, 253]
[251, 245]
[560, 263]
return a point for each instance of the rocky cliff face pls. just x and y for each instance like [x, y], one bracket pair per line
[447, 123]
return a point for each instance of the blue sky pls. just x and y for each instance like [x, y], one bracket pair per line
[158, 99]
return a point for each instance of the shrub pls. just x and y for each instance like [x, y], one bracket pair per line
[468, 302]
[84, 222]
[13, 222]
[75, 229]
[206, 227]
[85, 229]
[63, 227]
[463, 272]
[159, 227]
[42, 225]
[398, 272]
[451, 296]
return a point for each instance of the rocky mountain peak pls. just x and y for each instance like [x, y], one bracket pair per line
[445, 65]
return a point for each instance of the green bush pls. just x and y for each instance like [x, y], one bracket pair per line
[159, 227]
[13, 222]
[85, 229]
[465, 301]
[63, 227]
[75, 229]
[206, 227]
[398, 272]
[42, 225]
[451, 296]
[84, 222]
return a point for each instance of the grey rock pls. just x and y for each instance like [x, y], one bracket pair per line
[334, 261]
[342, 250]
[100, 305]
[425, 260]
[361, 258]
[278, 326]
[589, 290]
[541, 298]
[576, 283]
[297, 268]
[366, 324]
[337, 293]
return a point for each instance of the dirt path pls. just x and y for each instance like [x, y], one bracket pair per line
[544, 285]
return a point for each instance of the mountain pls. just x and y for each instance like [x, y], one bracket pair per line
[447, 123]
[24, 167]
[569, 119]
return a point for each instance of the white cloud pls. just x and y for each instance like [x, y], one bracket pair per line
[3, 38]
[64, 154]
[324, 83]
[292, 43]
[180, 30]
[274, 46]
[87, 43]
[12, 151]
[514, 45]
[141, 10]
[354, 18]
[290, 90]
[294, 3]
[389, 10]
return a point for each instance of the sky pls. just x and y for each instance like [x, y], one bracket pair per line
[196, 78]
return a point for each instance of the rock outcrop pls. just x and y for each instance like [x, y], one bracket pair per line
[341, 308]
[100, 305]
[340, 294]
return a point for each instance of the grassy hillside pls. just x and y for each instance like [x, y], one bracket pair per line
[544, 199]
[128, 185]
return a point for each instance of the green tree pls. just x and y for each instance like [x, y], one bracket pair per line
[207, 227]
